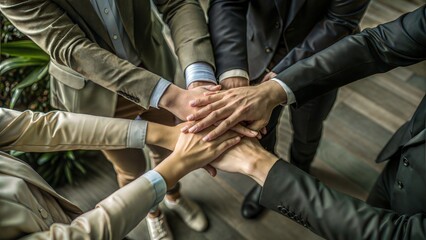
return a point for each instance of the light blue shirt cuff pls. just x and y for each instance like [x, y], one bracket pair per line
[199, 71]
[137, 134]
[158, 184]
[158, 92]
[290, 95]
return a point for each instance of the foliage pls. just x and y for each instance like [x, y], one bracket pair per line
[25, 85]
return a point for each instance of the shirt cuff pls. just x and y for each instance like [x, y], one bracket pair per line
[234, 73]
[290, 95]
[158, 184]
[158, 92]
[137, 134]
[199, 71]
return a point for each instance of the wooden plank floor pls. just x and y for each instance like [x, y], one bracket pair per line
[364, 117]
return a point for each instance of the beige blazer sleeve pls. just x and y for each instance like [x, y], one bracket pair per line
[48, 26]
[113, 218]
[58, 131]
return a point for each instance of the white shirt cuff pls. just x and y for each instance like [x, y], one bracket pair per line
[234, 73]
[290, 95]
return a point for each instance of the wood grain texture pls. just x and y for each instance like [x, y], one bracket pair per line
[364, 117]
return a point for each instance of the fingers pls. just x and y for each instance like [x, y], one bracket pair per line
[211, 170]
[244, 131]
[258, 125]
[212, 87]
[211, 119]
[224, 126]
[205, 100]
[223, 146]
[203, 112]
[264, 131]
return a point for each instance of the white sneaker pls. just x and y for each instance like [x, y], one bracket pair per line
[158, 228]
[190, 213]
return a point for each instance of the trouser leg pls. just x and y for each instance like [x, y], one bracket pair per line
[131, 163]
[307, 122]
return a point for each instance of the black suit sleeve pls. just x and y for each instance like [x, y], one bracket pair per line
[398, 43]
[330, 214]
[342, 19]
[227, 24]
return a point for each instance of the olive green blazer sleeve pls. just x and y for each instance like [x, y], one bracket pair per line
[57, 131]
[189, 31]
[49, 27]
[331, 214]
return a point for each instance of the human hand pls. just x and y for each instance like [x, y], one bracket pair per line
[252, 104]
[191, 153]
[248, 158]
[268, 76]
[176, 100]
[234, 82]
[200, 83]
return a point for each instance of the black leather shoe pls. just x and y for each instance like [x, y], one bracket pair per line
[251, 207]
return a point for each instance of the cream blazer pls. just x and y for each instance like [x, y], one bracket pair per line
[31, 209]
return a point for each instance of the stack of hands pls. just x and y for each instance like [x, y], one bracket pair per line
[224, 124]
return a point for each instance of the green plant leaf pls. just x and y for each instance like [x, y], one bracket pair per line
[18, 62]
[70, 155]
[80, 167]
[68, 174]
[45, 157]
[24, 48]
[16, 153]
[36, 75]
[15, 97]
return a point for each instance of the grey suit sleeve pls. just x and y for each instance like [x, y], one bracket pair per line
[397, 43]
[331, 214]
[227, 23]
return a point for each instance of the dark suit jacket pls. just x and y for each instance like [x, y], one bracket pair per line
[334, 215]
[245, 33]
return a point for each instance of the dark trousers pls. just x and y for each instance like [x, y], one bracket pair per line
[307, 122]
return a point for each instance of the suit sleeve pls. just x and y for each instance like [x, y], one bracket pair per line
[342, 19]
[380, 49]
[113, 218]
[58, 131]
[331, 214]
[49, 27]
[227, 23]
[189, 31]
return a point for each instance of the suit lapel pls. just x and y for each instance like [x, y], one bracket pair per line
[293, 9]
[125, 8]
[14, 167]
[85, 9]
[417, 139]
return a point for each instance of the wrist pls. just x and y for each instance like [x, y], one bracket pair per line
[273, 92]
[171, 169]
[168, 100]
[259, 166]
[158, 135]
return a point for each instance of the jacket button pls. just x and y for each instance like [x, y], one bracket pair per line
[400, 185]
[405, 161]
[268, 49]
[43, 213]
[277, 24]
